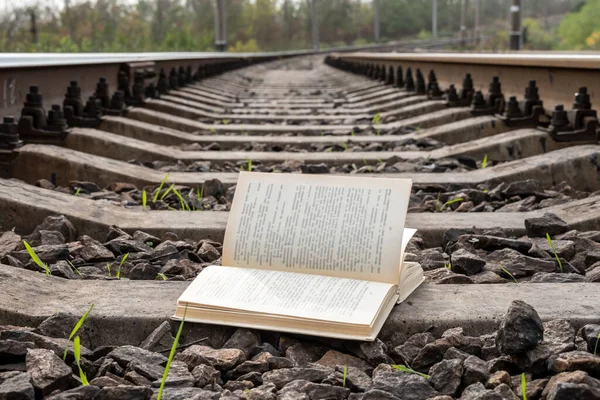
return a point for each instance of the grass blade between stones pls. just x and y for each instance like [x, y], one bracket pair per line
[507, 272]
[118, 274]
[144, 199]
[484, 163]
[171, 356]
[77, 352]
[160, 188]
[410, 371]
[596, 346]
[76, 328]
[184, 204]
[74, 267]
[523, 387]
[450, 202]
[345, 376]
[166, 193]
[549, 239]
[36, 259]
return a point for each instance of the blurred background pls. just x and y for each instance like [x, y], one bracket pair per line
[267, 25]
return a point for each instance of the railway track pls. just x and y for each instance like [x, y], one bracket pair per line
[501, 151]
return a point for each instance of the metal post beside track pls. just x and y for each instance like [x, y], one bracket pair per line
[376, 28]
[221, 26]
[434, 19]
[515, 25]
[315, 25]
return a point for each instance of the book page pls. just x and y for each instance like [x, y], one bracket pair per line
[341, 226]
[278, 293]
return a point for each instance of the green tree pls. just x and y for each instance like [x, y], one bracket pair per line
[580, 29]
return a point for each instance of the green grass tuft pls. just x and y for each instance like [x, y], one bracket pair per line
[160, 188]
[449, 202]
[344, 376]
[171, 355]
[77, 191]
[484, 163]
[36, 259]
[144, 199]
[74, 267]
[507, 272]
[76, 328]
[118, 274]
[410, 371]
[166, 193]
[549, 239]
[184, 204]
[160, 276]
[77, 352]
[523, 387]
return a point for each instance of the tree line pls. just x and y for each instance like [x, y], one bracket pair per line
[270, 25]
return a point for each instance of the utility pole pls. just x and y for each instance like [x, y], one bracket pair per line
[477, 20]
[434, 19]
[463, 21]
[315, 25]
[376, 20]
[34, 31]
[221, 26]
[515, 25]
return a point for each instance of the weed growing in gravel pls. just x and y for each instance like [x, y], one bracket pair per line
[225, 121]
[74, 267]
[184, 204]
[166, 193]
[160, 276]
[213, 130]
[484, 163]
[77, 352]
[376, 121]
[171, 355]
[523, 387]
[449, 202]
[549, 239]
[410, 371]
[448, 266]
[507, 272]
[144, 199]
[36, 259]
[352, 133]
[345, 146]
[160, 188]
[77, 191]
[344, 376]
[248, 165]
[76, 328]
[596, 346]
[118, 274]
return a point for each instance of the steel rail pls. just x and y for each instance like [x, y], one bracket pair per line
[558, 76]
[52, 72]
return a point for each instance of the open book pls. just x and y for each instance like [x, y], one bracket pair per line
[309, 254]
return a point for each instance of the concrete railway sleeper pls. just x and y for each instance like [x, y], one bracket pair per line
[492, 175]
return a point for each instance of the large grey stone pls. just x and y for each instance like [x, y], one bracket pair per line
[48, 372]
[403, 385]
[521, 329]
[16, 385]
